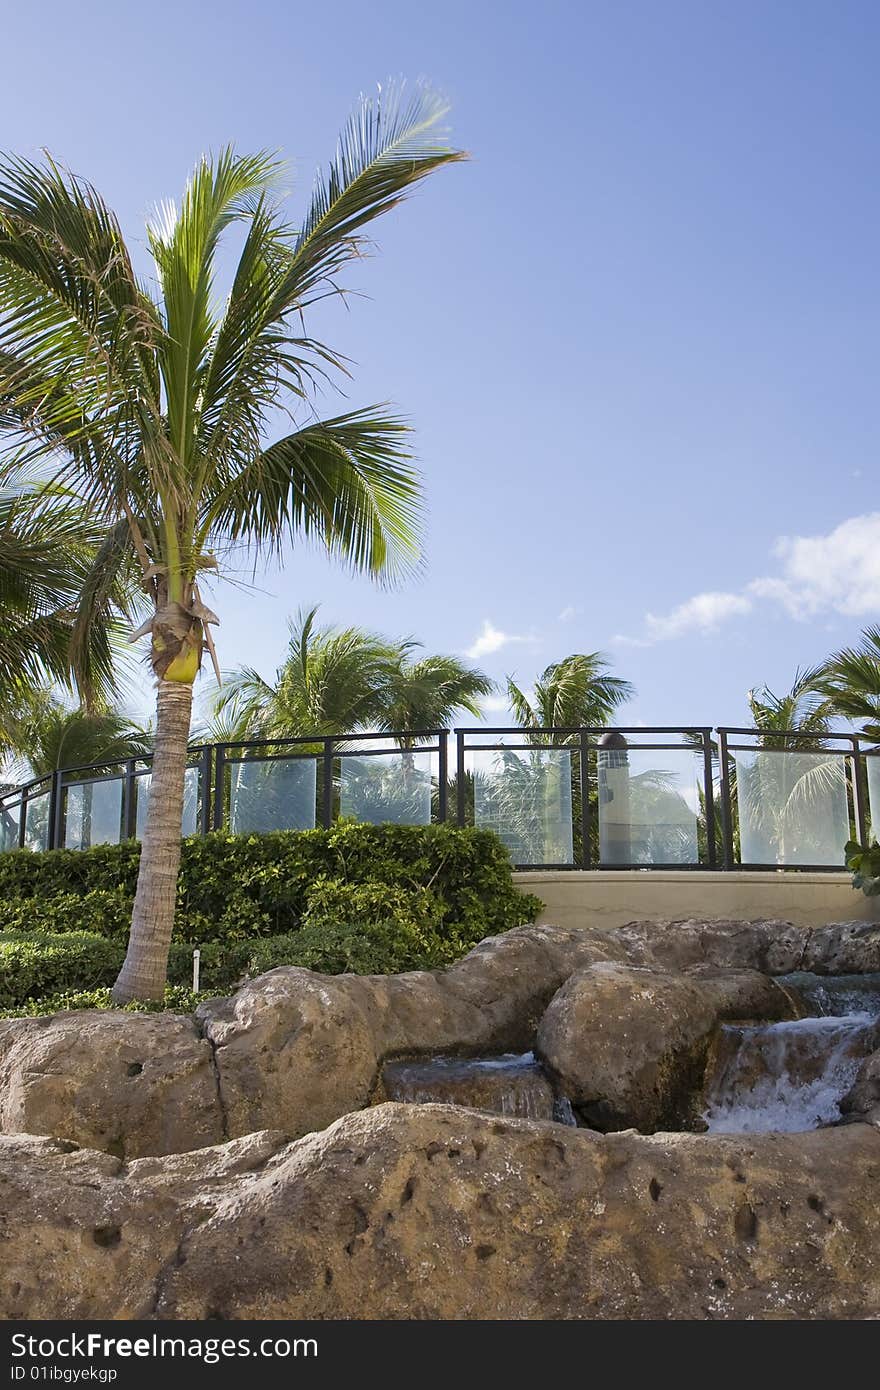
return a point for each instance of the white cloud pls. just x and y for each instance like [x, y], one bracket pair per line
[494, 704]
[703, 613]
[838, 572]
[568, 613]
[491, 639]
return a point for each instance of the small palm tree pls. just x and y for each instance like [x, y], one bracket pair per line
[332, 681]
[50, 736]
[850, 682]
[578, 691]
[428, 692]
[803, 709]
[153, 410]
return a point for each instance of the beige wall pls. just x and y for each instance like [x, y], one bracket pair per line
[613, 896]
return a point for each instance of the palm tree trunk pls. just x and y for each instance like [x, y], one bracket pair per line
[146, 962]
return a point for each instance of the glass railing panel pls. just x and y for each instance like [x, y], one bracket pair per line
[792, 807]
[92, 813]
[648, 805]
[36, 824]
[143, 784]
[9, 824]
[872, 767]
[525, 797]
[388, 789]
[272, 794]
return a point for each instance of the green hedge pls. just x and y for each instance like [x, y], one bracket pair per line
[236, 887]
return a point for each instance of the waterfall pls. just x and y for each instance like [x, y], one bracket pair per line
[509, 1084]
[787, 1076]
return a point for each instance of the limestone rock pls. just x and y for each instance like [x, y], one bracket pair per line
[437, 1212]
[76, 1240]
[862, 1101]
[125, 1082]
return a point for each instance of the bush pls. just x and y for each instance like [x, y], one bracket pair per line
[384, 947]
[863, 861]
[31, 967]
[232, 888]
[177, 1000]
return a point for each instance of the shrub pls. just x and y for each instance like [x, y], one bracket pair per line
[383, 947]
[237, 887]
[177, 1000]
[863, 861]
[31, 967]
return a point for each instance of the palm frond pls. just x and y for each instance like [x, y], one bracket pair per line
[347, 483]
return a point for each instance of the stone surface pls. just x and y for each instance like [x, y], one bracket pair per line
[629, 1045]
[128, 1083]
[439, 1212]
[76, 1239]
[862, 1101]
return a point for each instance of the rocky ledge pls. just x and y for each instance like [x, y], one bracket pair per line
[405, 1211]
[622, 1017]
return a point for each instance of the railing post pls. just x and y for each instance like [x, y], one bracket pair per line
[205, 762]
[219, 785]
[327, 788]
[709, 794]
[860, 780]
[22, 817]
[726, 806]
[442, 774]
[586, 819]
[459, 776]
[53, 838]
[129, 802]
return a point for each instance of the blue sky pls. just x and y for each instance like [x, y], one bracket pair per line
[637, 333]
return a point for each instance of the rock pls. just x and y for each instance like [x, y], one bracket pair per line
[407, 1211]
[862, 1101]
[127, 1083]
[843, 948]
[298, 1050]
[76, 1240]
[629, 1046]
[441, 1213]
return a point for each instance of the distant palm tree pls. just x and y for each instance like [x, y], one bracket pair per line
[332, 681]
[50, 736]
[154, 407]
[850, 681]
[428, 692]
[803, 709]
[578, 691]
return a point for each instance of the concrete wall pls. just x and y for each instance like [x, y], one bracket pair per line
[611, 897]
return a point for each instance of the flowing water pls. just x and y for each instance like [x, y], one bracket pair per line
[510, 1084]
[792, 1076]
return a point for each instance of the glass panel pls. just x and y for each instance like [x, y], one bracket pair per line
[36, 825]
[393, 789]
[276, 795]
[143, 784]
[92, 813]
[649, 806]
[9, 822]
[872, 764]
[792, 807]
[525, 797]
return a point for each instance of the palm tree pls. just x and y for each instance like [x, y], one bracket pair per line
[803, 709]
[428, 692]
[331, 682]
[576, 692]
[850, 681]
[50, 736]
[47, 548]
[160, 406]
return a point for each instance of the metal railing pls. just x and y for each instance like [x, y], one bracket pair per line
[630, 798]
